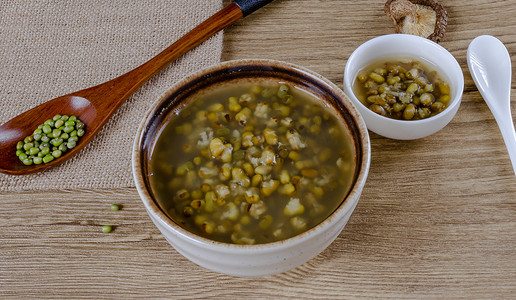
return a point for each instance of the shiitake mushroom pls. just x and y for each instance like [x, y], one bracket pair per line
[425, 18]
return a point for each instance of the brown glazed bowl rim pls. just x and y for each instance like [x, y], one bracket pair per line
[168, 103]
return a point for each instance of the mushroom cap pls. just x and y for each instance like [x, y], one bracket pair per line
[403, 8]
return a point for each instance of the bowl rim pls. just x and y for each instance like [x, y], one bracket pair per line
[349, 78]
[346, 205]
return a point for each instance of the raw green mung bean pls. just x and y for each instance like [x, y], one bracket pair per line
[71, 144]
[45, 150]
[48, 158]
[107, 228]
[59, 123]
[57, 153]
[27, 146]
[33, 151]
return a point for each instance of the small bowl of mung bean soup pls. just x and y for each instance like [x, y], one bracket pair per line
[251, 167]
[405, 86]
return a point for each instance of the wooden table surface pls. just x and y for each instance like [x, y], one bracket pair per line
[437, 217]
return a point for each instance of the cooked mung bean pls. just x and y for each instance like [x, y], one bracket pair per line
[253, 171]
[402, 89]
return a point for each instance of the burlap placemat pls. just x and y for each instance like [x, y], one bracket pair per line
[51, 48]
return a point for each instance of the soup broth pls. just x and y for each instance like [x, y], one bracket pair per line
[252, 163]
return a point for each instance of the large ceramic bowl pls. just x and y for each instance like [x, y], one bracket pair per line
[259, 259]
[421, 49]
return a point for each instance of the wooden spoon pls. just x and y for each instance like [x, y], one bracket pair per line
[95, 105]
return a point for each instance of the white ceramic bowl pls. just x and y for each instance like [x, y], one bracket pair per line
[260, 259]
[399, 45]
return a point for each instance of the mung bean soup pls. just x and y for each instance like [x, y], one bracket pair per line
[252, 163]
[402, 88]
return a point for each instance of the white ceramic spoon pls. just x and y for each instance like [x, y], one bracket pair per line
[490, 66]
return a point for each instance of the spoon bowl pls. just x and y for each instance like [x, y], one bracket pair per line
[490, 66]
[24, 125]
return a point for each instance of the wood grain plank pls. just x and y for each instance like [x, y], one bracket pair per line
[436, 219]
